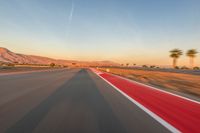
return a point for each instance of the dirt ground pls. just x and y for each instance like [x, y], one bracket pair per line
[180, 82]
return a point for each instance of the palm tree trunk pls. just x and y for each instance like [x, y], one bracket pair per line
[174, 62]
[191, 62]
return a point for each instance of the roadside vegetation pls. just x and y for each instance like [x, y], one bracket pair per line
[52, 65]
[176, 53]
[192, 54]
[6, 67]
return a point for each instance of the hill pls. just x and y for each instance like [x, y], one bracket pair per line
[7, 56]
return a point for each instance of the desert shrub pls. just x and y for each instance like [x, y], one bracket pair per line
[11, 65]
[184, 67]
[52, 64]
[177, 67]
[196, 68]
[152, 66]
[145, 66]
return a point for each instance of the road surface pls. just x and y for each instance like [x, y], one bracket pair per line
[68, 101]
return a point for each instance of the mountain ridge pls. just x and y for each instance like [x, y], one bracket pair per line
[8, 56]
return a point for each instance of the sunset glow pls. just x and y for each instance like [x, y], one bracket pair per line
[141, 32]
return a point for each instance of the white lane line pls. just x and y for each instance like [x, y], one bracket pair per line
[153, 115]
[151, 87]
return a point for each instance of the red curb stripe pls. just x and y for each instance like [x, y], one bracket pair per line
[181, 113]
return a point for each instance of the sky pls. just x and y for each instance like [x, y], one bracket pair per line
[133, 31]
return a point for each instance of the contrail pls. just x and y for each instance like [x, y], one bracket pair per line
[70, 18]
[71, 13]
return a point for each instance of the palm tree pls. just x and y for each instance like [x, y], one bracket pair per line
[175, 54]
[191, 53]
[127, 64]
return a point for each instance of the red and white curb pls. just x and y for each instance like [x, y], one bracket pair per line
[176, 113]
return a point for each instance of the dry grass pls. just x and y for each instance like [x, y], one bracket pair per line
[23, 69]
[186, 83]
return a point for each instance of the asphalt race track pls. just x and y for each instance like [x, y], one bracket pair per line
[69, 101]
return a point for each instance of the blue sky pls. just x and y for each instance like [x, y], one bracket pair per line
[138, 31]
